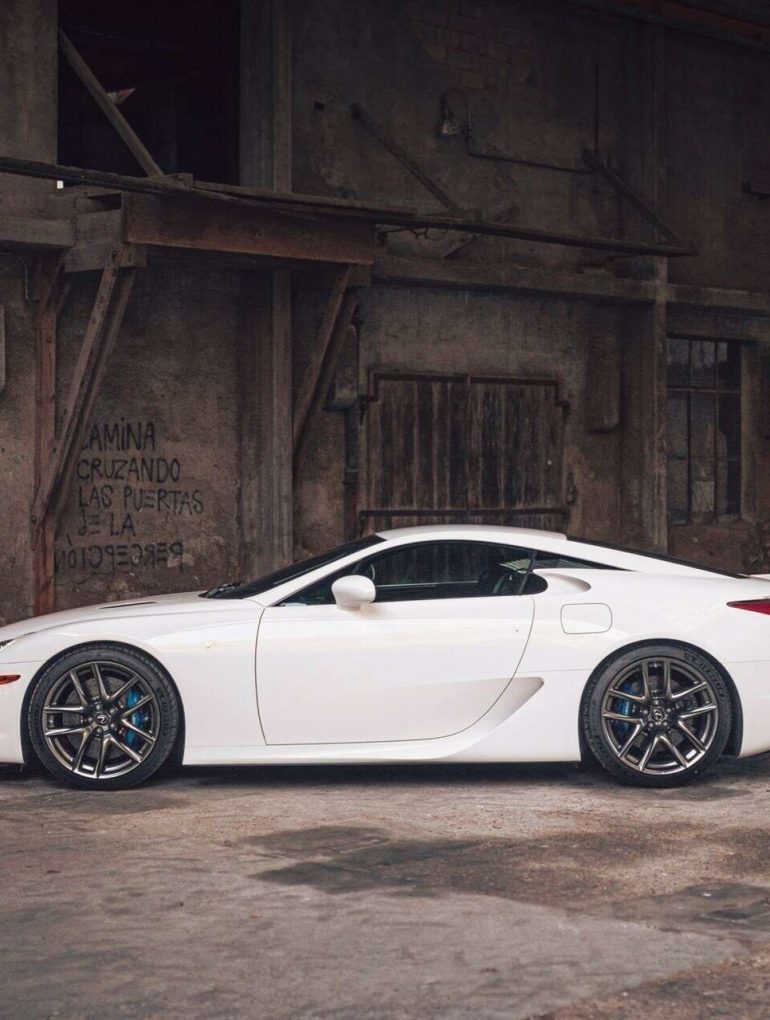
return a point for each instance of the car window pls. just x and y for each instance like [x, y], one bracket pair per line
[433, 570]
[555, 561]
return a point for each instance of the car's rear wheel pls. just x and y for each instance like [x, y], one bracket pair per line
[103, 718]
[658, 715]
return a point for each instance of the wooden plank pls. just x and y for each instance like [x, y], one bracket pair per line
[32, 232]
[327, 369]
[265, 95]
[266, 510]
[45, 425]
[309, 384]
[504, 277]
[282, 96]
[88, 258]
[109, 109]
[180, 222]
[101, 331]
[385, 215]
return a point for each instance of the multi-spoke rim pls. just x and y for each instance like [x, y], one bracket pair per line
[100, 720]
[660, 716]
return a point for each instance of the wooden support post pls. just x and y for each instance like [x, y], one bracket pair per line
[265, 95]
[108, 108]
[101, 331]
[266, 498]
[327, 367]
[644, 490]
[309, 384]
[265, 450]
[51, 299]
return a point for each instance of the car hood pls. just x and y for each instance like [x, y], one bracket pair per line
[152, 605]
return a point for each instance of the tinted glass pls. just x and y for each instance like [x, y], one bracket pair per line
[434, 570]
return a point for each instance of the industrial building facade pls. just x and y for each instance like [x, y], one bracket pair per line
[274, 274]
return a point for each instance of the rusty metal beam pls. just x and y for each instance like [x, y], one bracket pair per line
[326, 209]
[408, 162]
[307, 390]
[632, 196]
[102, 329]
[109, 109]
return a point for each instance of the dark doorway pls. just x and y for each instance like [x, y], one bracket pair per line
[172, 69]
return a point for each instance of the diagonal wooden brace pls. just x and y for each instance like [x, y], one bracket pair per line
[102, 329]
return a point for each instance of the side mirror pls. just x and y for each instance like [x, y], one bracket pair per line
[353, 591]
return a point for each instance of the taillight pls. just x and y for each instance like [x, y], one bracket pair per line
[9, 678]
[753, 605]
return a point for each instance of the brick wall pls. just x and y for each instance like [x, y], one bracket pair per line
[488, 43]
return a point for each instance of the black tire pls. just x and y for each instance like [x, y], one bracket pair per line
[129, 725]
[676, 734]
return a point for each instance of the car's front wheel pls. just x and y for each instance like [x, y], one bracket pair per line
[103, 718]
[658, 715]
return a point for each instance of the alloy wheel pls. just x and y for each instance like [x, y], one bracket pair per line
[660, 716]
[100, 720]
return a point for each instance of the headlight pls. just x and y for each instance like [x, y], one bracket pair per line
[6, 642]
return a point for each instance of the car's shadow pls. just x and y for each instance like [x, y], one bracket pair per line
[730, 779]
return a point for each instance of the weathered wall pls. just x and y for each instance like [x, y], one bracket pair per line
[154, 503]
[28, 129]
[529, 74]
[166, 516]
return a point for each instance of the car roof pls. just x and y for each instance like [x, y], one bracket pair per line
[555, 542]
[503, 532]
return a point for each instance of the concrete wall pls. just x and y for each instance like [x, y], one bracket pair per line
[530, 73]
[154, 505]
[543, 82]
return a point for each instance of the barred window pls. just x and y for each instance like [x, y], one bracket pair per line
[704, 430]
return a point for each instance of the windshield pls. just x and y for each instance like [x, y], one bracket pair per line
[269, 581]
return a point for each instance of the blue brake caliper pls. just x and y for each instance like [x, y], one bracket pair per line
[624, 708]
[137, 718]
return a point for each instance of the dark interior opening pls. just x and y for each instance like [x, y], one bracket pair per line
[172, 68]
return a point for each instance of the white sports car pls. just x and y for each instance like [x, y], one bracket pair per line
[454, 644]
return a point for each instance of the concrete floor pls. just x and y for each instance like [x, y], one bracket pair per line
[386, 892]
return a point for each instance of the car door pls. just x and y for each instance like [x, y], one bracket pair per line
[426, 659]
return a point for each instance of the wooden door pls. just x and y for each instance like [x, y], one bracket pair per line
[453, 449]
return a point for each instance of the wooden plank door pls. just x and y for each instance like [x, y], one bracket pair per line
[445, 449]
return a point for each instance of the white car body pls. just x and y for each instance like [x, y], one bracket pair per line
[480, 679]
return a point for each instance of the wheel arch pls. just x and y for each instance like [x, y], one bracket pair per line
[734, 740]
[28, 751]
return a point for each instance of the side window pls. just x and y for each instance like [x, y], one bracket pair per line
[555, 561]
[434, 570]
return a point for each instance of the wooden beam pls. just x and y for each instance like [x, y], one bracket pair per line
[87, 258]
[108, 108]
[52, 289]
[309, 384]
[186, 222]
[265, 469]
[266, 95]
[335, 209]
[326, 374]
[101, 331]
[33, 232]
[505, 277]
